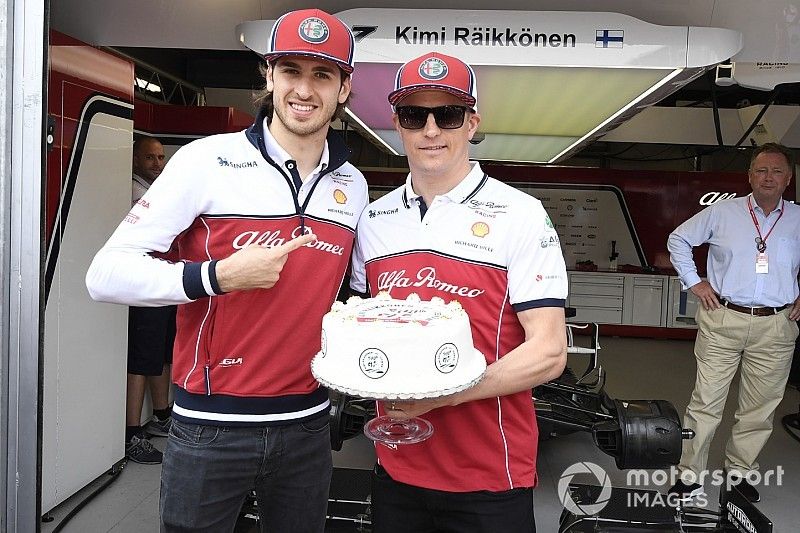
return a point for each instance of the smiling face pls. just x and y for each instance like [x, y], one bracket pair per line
[435, 153]
[305, 93]
[769, 176]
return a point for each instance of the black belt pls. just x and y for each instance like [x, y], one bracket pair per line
[755, 311]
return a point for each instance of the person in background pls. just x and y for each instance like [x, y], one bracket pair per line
[746, 320]
[263, 221]
[493, 249]
[151, 334]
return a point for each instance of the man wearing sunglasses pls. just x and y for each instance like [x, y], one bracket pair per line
[455, 233]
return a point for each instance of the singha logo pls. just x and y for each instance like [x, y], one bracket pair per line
[225, 163]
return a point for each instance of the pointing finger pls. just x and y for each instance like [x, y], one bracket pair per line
[294, 244]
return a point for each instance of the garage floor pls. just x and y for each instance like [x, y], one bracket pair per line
[637, 369]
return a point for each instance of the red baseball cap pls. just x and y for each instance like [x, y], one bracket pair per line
[314, 33]
[435, 71]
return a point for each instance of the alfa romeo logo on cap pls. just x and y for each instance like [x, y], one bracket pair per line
[433, 68]
[313, 30]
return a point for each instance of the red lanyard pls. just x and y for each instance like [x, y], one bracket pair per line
[761, 239]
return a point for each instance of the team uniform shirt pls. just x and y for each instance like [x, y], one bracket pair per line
[244, 357]
[493, 248]
[728, 227]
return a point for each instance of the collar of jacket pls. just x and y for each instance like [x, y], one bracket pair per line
[338, 152]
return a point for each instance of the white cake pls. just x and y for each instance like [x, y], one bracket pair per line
[397, 349]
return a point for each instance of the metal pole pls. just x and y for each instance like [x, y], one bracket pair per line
[22, 161]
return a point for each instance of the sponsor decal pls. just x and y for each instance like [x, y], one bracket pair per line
[372, 213]
[433, 69]
[540, 277]
[488, 205]
[340, 178]
[425, 277]
[130, 218]
[144, 203]
[225, 163]
[446, 358]
[548, 222]
[373, 363]
[341, 212]
[547, 242]
[274, 238]
[480, 229]
[714, 196]
[313, 30]
[738, 516]
[231, 361]
[484, 213]
[475, 245]
[339, 196]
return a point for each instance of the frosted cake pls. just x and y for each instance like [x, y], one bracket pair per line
[397, 349]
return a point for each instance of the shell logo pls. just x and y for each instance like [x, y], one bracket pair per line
[339, 196]
[480, 229]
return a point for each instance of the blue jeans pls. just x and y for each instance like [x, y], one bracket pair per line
[208, 471]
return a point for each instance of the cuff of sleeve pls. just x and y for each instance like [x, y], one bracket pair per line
[690, 280]
[534, 304]
[200, 280]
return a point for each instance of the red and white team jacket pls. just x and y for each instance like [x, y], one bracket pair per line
[244, 357]
[493, 248]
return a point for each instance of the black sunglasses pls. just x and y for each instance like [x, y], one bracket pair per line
[447, 117]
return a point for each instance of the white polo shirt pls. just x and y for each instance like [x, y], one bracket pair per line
[493, 248]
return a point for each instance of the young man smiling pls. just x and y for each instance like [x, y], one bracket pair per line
[494, 249]
[264, 222]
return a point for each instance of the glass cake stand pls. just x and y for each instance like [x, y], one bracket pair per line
[390, 430]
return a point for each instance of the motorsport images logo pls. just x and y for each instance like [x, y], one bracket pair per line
[581, 509]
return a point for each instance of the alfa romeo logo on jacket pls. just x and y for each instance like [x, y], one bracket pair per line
[313, 30]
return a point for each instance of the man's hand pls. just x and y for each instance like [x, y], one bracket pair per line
[257, 267]
[403, 410]
[708, 298]
[794, 314]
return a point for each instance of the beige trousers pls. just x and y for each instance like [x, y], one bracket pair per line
[763, 346]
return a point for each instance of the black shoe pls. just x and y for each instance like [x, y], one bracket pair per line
[139, 450]
[746, 489]
[684, 493]
[157, 427]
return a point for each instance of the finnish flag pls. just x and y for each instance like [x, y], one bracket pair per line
[609, 38]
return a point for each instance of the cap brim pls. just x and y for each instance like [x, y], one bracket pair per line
[315, 55]
[399, 94]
